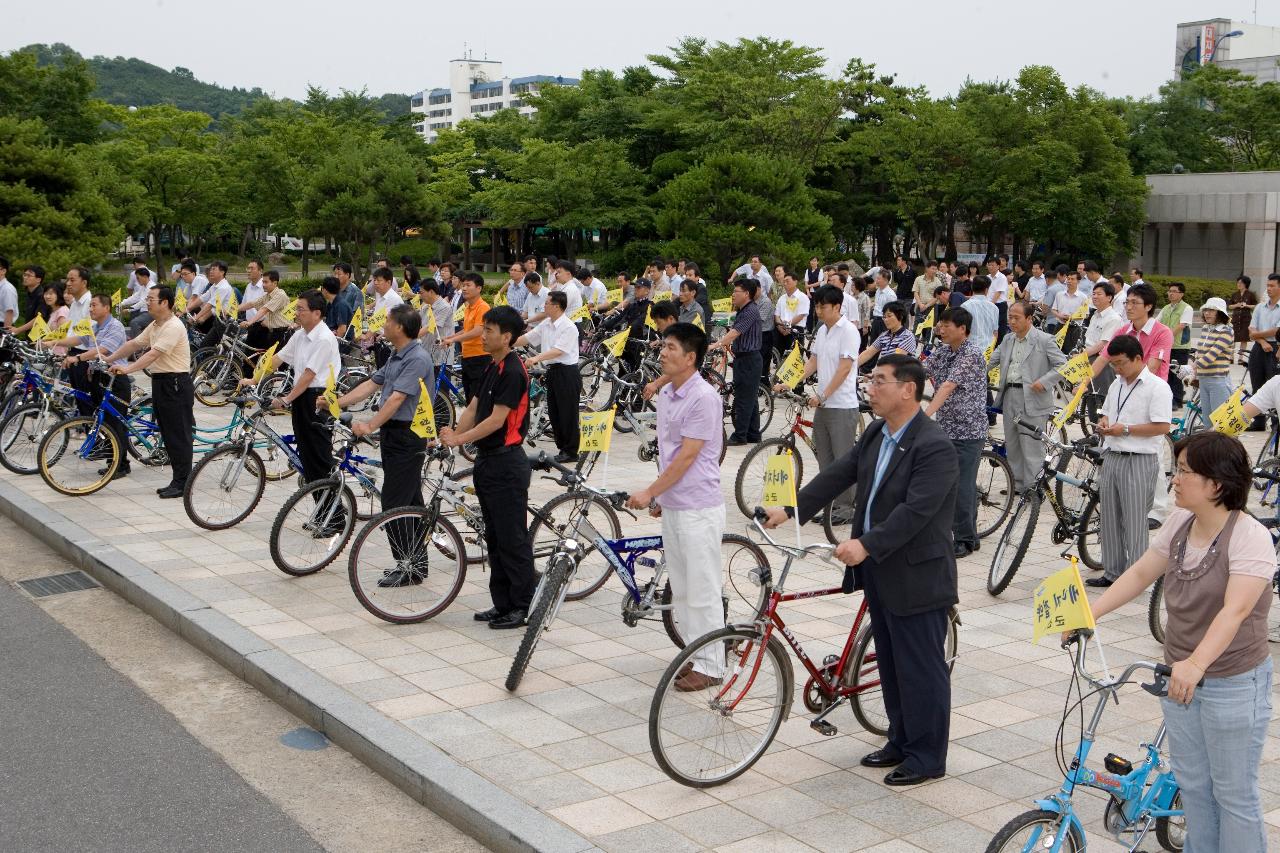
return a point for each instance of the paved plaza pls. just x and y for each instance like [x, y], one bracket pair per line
[573, 741]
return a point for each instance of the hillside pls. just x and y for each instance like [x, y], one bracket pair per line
[135, 82]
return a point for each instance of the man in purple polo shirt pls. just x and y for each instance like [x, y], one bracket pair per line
[688, 495]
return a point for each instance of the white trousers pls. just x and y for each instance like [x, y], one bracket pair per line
[691, 546]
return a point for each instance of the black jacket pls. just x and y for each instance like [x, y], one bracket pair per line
[909, 546]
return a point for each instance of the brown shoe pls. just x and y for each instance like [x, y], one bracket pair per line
[695, 681]
[684, 670]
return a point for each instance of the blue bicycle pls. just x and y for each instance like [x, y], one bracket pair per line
[1142, 797]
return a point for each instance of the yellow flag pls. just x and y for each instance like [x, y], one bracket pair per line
[416, 301]
[664, 296]
[991, 347]
[1229, 418]
[264, 364]
[697, 320]
[460, 314]
[615, 344]
[424, 417]
[581, 314]
[993, 377]
[233, 306]
[927, 322]
[722, 306]
[1076, 370]
[431, 321]
[779, 480]
[180, 300]
[1081, 312]
[500, 298]
[331, 394]
[1061, 337]
[39, 329]
[595, 431]
[615, 295]
[82, 328]
[357, 323]
[648, 318]
[55, 333]
[791, 371]
[291, 312]
[378, 320]
[1070, 408]
[116, 298]
[217, 308]
[1060, 603]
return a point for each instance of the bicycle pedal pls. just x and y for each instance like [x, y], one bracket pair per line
[824, 728]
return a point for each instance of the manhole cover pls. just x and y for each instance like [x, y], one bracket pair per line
[57, 584]
[304, 738]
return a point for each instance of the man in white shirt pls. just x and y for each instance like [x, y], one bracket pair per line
[984, 314]
[8, 296]
[754, 269]
[999, 292]
[194, 284]
[566, 284]
[791, 311]
[1104, 322]
[535, 304]
[557, 338]
[134, 308]
[385, 294]
[833, 356]
[1036, 285]
[1055, 283]
[594, 294]
[1066, 306]
[881, 296]
[215, 299]
[254, 290]
[1135, 419]
[674, 275]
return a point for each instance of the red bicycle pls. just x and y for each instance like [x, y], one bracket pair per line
[707, 737]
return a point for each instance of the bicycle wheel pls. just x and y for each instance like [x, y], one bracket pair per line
[1031, 830]
[275, 462]
[863, 672]
[1089, 541]
[1013, 544]
[425, 548]
[1171, 832]
[765, 402]
[224, 488]
[707, 737]
[552, 523]
[312, 527]
[275, 385]
[748, 582]
[142, 438]
[217, 379]
[835, 531]
[546, 601]
[746, 489]
[20, 435]
[78, 456]
[1266, 478]
[994, 496]
[368, 495]
[1157, 615]
[445, 412]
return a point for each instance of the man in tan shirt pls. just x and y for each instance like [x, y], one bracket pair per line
[172, 394]
[268, 325]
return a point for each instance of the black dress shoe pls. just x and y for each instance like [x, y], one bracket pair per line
[1099, 582]
[487, 615]
[737, 442]
[564, 458]
[400, 577]
[900, 776]
[881, 758]
[1154, 524]
[963, 551]
[510, 619]
[170, 492]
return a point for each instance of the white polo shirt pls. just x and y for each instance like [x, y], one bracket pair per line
[560, 334]
[1267, 397]
[595, 293]
[535, 303]
[253, 291]
[572, 290]
[830, 346]
[788, 307]
[883, 298]
[78, 309]
[387, 300]
[999, 289]
[1102, 326]
[1149, 400]
[318, 350]
[1069, 303]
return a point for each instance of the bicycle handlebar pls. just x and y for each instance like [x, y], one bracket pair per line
[822, 549]
[543, 462]
[1159, 687]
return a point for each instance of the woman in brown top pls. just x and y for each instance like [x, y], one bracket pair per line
[1241, 304]
[1217, 562]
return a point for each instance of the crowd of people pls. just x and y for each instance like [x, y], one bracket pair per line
[905, 487]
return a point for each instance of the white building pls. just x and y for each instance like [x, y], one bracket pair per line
[1248, 48]
[476, 88]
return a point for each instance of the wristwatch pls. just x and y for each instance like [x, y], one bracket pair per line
[1126, 430]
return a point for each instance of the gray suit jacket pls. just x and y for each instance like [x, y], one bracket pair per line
[1041, 365]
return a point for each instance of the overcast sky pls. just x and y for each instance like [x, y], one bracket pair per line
[1122, 47]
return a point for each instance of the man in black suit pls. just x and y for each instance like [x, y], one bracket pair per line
[902, 555]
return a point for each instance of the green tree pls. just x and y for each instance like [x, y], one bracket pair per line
[58, 92]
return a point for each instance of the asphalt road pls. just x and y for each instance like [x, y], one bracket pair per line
[88, 762]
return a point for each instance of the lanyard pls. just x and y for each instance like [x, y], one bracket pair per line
[1120, 407]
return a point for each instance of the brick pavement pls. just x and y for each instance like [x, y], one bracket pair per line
[573, 741]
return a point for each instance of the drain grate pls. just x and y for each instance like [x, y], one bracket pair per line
[57, 584]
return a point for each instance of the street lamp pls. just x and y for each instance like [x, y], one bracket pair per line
[1221, 39]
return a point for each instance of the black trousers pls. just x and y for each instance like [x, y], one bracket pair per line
[1178, 356]
[122, 390]
[473, 369]
[78, 378]
[403, 453]
[502, 484]
[1002, 323]
[1262, 366]
[259, 336]
[315, 440]
[173, 401]
[766, 354]
[746, 384]
[564, 390]
[914, 681]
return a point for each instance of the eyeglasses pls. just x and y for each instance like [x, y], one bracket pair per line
[1184, 472]
[880, 382]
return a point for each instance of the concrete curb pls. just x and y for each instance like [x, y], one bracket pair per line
[461, 796]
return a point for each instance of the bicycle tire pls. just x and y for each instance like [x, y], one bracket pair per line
[1155, 610]
[276, 463]
[1089, 539]
[249, 465]
[59, 452]
[745, 590]
[444, 411]
[581, 584]
[150, 456]
[1017, 536]
[680, 755]
[772, 445]
[337, 542]
[868, 704]
[421, 606]
[765, 403]
[217, 379]
[1163, 825]
[994, 492]
[1074, 842]
[546, 599]
[20, 435]
[829, 527]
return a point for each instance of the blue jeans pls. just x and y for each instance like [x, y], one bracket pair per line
[965, 527]
[1215, 744]
[1214, 391]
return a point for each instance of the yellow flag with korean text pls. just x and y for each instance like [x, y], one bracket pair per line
[927, 322]
[779, 480]
[264, 364]
[1081, 312]
[82, 328]
[431, 321]
[1061, 337]
[116, 298]
[582, 313]
[722, 306]
[460, 314]
[500, 298]
[1070, 408]
[378, 320]
[1077, 369]
[180, 301]
[290, 313]
[697, 320]
[664, 296]
[991, 347]
[615, 295]
[54, 333]
[39, 328]
[357, 323]
[1229, 418]
[791, 371]
[424, 416]
[615, 344]
[233, 306]
[331, 394]
[1060, 603]
[595, 431]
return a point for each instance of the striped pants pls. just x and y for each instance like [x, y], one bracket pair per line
[1125, 492]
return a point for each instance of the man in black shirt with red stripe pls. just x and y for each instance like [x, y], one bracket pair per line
[496, 421]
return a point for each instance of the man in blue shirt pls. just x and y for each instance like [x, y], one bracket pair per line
[108, 336]
[745, 341]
